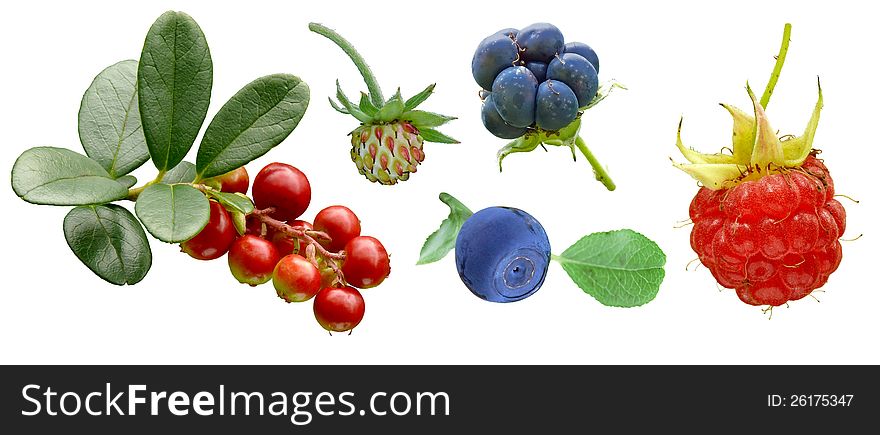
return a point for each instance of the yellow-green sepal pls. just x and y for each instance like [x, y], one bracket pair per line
[797, 149]
[697, 157]
[715, 176]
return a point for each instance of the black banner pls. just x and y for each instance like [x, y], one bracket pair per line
[403, 399]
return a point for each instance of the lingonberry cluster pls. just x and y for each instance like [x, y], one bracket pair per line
[326, 260]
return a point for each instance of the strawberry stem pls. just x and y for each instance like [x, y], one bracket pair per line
[601, 175]
[777, 69]
[372, 85]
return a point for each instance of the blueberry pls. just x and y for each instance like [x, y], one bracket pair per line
[502, 254]
[494, 54]
[539, 69]
[541, 41]
[514, 91]
[578, 73]
[557, 105]
[509, 32]
[584, 50]
[495, 123]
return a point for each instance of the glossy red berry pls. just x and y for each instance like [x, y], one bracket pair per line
[366, 262]
[339, 309]
[287, 244]
[214, 240]
[283, 187]
[296, 279]
[774, 239]
[340, 223]
[235, 181]
[252, 259]
[253, 225]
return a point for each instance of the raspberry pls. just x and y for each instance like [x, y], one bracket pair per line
[765, 219]
[774, 239]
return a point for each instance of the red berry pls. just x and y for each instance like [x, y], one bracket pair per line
[339, 309]
[283, 187]
[295, 279]
[286, 244]
[252, 259]
[774, 239]
[235, 181]
[214, 240]
[366, 262]
[253, 225]
[340, 223]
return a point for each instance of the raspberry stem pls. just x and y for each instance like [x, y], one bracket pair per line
[372, 84]
[777, 69]
[601, 175]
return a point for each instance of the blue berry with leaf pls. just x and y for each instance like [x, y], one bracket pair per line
[519, 69]
[502, 254]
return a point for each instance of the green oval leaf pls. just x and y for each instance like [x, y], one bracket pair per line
[58, 176]
[619, 268]
[233, 201]
[127, 180]
[175, 75]
[173, 214]
[109, 120]
[440, 242]
[252, 122]
[184, 172]
[110, 241]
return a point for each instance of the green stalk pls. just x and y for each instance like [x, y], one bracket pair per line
[601, 175]
[777, 69]
[133, 193]
[372, 85]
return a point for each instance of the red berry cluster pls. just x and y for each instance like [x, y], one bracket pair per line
[326, 260]
[774, 239]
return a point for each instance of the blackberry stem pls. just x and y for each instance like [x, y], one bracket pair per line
[777, 69]
[601, 175]
[372, 84]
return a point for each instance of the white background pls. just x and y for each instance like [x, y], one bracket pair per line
[677, 58]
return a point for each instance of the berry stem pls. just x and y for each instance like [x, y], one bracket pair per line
[601, 175]
[777, 69]
[372, 84]
[300, 232]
